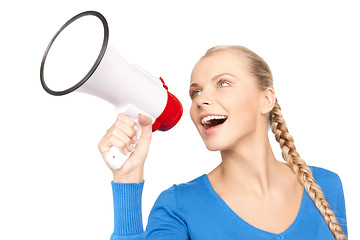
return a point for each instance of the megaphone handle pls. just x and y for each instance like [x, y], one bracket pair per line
[115, 157]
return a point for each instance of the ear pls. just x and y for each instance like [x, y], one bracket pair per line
[268, 101]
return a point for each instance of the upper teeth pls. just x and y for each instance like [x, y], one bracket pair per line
[206, 120]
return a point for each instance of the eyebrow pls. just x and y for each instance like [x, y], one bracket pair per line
[213, 78]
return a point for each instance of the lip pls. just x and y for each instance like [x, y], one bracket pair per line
[212, 130]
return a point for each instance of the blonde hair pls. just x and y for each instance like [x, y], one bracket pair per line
[261, 70]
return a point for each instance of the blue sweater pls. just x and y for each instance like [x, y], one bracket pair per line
[195, 211]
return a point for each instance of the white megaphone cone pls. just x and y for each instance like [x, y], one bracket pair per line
[79, 58]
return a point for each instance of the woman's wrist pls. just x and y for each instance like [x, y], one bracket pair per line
[133, 177]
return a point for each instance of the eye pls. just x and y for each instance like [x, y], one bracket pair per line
[195, 93]
[222, 84]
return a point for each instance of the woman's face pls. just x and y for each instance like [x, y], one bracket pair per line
[225, 100]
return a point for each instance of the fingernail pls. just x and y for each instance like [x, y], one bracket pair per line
[125, 151]
[134, 139]
[137, 128]
[132, 147]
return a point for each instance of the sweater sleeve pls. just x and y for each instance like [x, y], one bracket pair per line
[340, 206]
[165, 220]
[127, 211]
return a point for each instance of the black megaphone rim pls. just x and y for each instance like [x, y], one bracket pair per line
[93, 68]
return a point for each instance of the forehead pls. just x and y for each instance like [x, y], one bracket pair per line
[221, 62]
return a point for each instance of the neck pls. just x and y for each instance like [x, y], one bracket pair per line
[251, 164]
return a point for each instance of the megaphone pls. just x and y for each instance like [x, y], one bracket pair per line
[79, 58]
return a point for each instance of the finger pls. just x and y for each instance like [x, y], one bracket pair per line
[142, 147]
[122, 118]
[122, 144]
[104, 145]
[117, 137]
[129, 131]
[146, 125]
[123, 137]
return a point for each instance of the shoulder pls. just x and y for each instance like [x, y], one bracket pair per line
[332, 188]
[329, 182]
[169, 216]
[181, 192]
[325, 177]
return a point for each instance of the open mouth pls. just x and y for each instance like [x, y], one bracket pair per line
[212, 121]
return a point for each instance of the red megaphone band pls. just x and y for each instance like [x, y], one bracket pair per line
[170, 115]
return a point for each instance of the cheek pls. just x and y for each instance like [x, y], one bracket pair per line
[243, 111]
[192, 113]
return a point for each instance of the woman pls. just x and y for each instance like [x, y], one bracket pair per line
[250, 195]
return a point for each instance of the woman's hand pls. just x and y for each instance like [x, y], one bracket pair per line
[122, 134]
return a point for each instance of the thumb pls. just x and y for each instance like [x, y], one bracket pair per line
[146, 125]
[142, 146]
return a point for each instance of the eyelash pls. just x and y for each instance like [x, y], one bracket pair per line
[218, 83]
[223, 81]
[192, 93]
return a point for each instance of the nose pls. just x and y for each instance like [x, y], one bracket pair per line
[203, 99]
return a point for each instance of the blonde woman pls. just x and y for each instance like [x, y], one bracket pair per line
[250, 195]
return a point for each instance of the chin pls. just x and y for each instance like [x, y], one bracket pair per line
[214, 145]
[217, 142]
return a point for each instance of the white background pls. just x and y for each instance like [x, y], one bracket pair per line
[53, 182]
